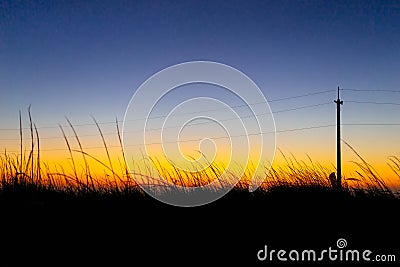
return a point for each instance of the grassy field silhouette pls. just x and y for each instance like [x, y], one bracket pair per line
[88, 221]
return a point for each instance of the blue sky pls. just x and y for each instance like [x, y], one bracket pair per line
[82, 58]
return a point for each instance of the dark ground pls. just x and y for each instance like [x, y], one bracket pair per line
[46, 228]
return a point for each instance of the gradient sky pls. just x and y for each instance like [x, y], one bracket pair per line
[83, 58]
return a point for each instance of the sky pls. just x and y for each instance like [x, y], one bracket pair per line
[78, 59]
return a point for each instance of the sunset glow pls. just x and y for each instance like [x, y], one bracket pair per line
[65, 67]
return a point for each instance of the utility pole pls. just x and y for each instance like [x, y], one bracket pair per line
[338, 141]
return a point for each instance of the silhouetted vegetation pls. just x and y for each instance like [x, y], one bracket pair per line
[111, 218]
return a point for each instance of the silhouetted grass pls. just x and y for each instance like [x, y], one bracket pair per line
[24, 173]
[81, 219]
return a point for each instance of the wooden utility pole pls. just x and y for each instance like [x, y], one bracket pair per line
[338, 140]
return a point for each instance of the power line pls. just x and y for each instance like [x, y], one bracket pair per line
[59, 137]
[240, 117]
[243, 135]
[233, 136]
[235, 106]
[302, 107]
[57, 127]
[374, 103]
[299, 96]
[192, 140]
[178, 126]
[244, 117]
[370, 90]
[164, 116]
[306, 128]
[208, 122]
[277, 131]
[371, 124]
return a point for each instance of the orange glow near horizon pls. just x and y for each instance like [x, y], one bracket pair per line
[99, 164]
[294, 146]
